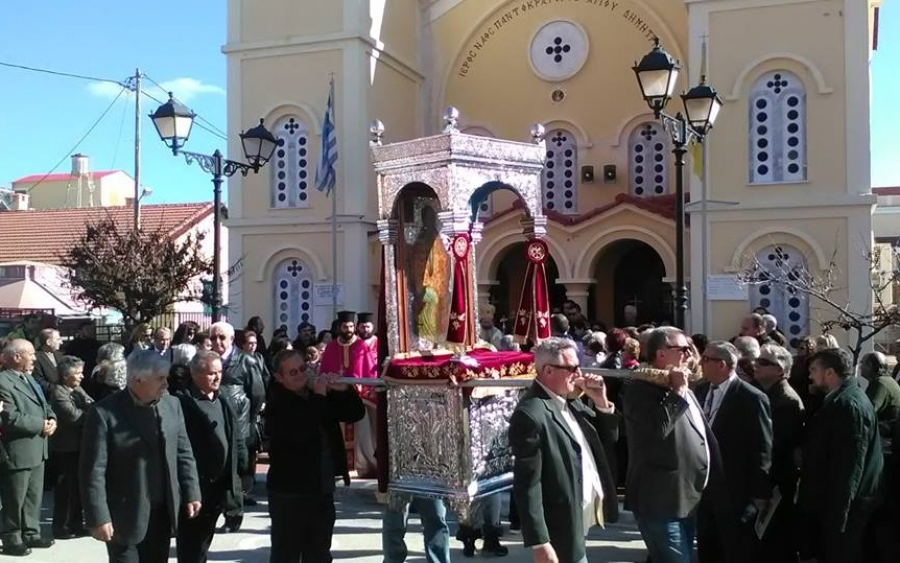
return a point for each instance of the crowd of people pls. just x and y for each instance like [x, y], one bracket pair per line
[743, 448]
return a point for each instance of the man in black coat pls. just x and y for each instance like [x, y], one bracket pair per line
[561, 479]
[27, 421]
[670, 448]
[840, 478]
[779, 544]
[306, 453]
[740, 417]
[219, 450]
[243, 385]
[137, 469]
[46, 358]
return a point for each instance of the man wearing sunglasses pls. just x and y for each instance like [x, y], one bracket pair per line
[558, 449]
[741, 420]
[668, 448]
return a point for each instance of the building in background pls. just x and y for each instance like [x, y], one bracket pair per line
[78, 188]
[788, 163]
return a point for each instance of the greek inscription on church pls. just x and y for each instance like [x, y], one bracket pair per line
[489, 33]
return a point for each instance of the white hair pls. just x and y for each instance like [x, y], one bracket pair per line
[142, 364]
[747, 346]
[183, 353]
[770, 321]
[724, 351]
[550, 351]
[223, 327]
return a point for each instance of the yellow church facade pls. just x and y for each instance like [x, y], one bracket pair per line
[785, 174]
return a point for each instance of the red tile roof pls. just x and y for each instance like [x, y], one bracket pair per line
[662, 205]
[42, 235]
[60, 177]
[886, 190]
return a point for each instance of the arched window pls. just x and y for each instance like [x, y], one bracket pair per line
[648, 160]
[560, 175]
[292, 288]
[789, 306]
[486, 209]
[777, 129]
[290, 164]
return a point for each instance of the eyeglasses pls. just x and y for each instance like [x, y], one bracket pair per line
[765, 363]
[681, 349]
[709, 359]
[218, 337]
[570, 369]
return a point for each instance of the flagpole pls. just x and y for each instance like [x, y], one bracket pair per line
[334, 245]
[704, 218]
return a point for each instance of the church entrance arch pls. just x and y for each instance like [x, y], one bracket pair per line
[629, 272]
[510, 278]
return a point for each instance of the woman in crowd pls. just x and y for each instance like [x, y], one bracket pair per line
[141, 338]
[202, 341]
[109, 375]
[185, 333]
[70, 403]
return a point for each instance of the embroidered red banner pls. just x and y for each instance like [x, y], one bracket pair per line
[533, 313]
[459, 330]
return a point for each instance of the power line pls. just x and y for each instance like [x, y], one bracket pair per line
[59, 73]
[83, 137]
[127, 84]
[204, 120]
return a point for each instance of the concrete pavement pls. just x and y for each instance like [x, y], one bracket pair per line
[357, 537]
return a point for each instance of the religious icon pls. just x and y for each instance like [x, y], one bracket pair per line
[427, 276]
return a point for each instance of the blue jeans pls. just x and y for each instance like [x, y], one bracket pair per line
[433, 514]
[669, 540]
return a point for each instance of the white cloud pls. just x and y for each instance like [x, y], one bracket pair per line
[184, 89]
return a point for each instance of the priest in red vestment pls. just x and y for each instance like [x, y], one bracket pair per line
[349, 356]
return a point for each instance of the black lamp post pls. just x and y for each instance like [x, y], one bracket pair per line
[173, 122]
[657, 74]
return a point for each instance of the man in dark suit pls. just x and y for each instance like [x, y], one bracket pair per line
[669, 448]
[137, 469]
[27, 421]
[46, 359]
[242, 384]
[842, 464]
[779, 544]
[561, 479]
[741, 420]
[218, 449]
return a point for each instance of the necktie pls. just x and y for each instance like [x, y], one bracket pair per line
[39, 393]
[708, 404]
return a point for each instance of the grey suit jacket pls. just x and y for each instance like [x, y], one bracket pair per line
[22, 420]
[113, 466]
[667, 456]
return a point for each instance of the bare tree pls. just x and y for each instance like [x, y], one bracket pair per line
[138, 273]
[822, 290]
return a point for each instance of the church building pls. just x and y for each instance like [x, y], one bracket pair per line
[784, 182]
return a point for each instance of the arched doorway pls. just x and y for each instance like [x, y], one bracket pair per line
[510, 277]
[630, 272]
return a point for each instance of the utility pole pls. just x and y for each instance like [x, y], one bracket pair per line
[137, 149]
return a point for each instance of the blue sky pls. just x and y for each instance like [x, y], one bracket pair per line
[177, 44]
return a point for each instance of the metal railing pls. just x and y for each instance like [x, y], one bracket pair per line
[484, 382]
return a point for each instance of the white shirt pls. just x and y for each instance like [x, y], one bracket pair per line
[592, 489]
[696, 414]
[715, 394]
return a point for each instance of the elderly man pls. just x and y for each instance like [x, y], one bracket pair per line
[748, 351]
[779, 544]
[842, 464]
[242, 385]
[162, 342]
[754, 325]
[487, 331]
[669, 447]
[219, 450]
[137, 470]
[27, 421]
[884, 392]
[740, 417]
[772, 330]
[561, 479]
[46, 358]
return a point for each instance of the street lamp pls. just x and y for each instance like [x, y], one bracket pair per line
[657, 74]
[173, 122]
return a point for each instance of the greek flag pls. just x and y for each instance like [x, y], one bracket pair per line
[325, 173]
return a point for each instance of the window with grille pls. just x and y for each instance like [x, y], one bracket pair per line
[648, 160]
[777, 129]
[560, 179]
[289, 168]
[292, 289]
[789, 306]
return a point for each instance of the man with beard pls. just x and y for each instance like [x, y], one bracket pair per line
[349, 356]
[242, 384]
[365, 328]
